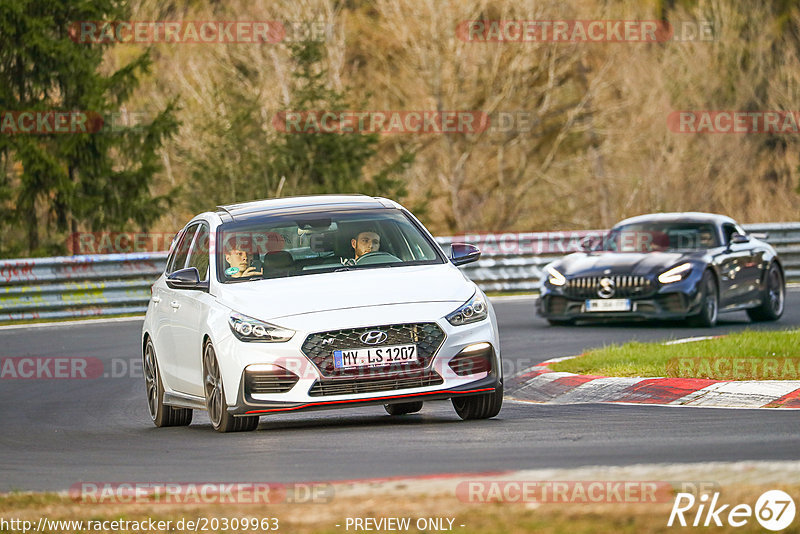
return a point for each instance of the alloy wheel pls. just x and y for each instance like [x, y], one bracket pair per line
[151, 379]
[213, 385]
[775, 291]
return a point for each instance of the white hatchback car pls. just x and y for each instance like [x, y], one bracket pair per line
[312, 303]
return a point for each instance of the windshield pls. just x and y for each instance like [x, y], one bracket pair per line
[660, 236]
[308, 243]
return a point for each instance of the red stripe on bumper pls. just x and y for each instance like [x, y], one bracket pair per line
[302, 406]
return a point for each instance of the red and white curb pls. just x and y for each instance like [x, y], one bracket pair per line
[543, 385]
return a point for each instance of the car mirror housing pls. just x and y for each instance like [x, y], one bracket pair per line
[739, 238]
[588, 243]
[188, 278]
[462, 253]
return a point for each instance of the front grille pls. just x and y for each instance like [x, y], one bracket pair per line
[339, 386]
[270, 383]
[625, 286]
[319, 347]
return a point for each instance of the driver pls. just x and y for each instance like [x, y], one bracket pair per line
[365, 242]
[706, 238]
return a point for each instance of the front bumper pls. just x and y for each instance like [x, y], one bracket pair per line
[309, 385]
[248, 407]
[661, 305]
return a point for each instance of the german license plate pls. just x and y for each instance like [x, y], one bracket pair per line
[608, 305]
[373, 356]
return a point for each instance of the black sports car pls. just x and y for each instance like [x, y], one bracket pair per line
[666, 266]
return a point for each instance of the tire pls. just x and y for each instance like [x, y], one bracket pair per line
[403, 408]
[479, 406]
[774, 298]
[214, 390]
[161, 414]
[709, 302]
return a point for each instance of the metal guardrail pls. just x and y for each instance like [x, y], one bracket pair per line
[115, 284]
[77, 286]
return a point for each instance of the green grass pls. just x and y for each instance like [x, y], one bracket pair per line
[745, 355]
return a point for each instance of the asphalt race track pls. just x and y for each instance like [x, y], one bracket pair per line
[56, 433]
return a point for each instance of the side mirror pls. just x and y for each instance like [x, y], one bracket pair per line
[737, 239]
[461, 253]
[188, 278]
[587, 244]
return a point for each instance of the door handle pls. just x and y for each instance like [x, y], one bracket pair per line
[156, 299]
[175, 304]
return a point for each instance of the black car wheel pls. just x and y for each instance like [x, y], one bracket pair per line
[403, 408]
[161, 414]
[772, 301]
[709, 307]
[479, 406]
[221, 420]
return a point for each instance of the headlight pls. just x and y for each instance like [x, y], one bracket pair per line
[676, 274]
[473, 311]
[555, 278]
[248, 329]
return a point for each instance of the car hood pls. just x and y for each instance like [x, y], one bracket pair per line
[284, 297]
[623, 263]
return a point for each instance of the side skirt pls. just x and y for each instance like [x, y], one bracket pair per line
[181, 400]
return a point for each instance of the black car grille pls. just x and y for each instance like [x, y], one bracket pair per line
[270, 383]
[319, 347]
[349, 386]
[625, 286]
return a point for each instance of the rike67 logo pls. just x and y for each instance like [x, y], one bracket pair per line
[774, 510]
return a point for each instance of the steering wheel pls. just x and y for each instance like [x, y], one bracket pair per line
[372, 258]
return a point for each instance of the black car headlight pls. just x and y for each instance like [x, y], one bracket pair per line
[248, 329]
[474, 310]
[676, 274]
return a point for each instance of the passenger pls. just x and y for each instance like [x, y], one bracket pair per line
[239, 263]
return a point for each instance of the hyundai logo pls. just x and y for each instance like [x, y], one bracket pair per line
[373, 337]
[607, 288]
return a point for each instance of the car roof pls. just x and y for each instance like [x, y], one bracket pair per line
[306, 204]
[686, 216]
